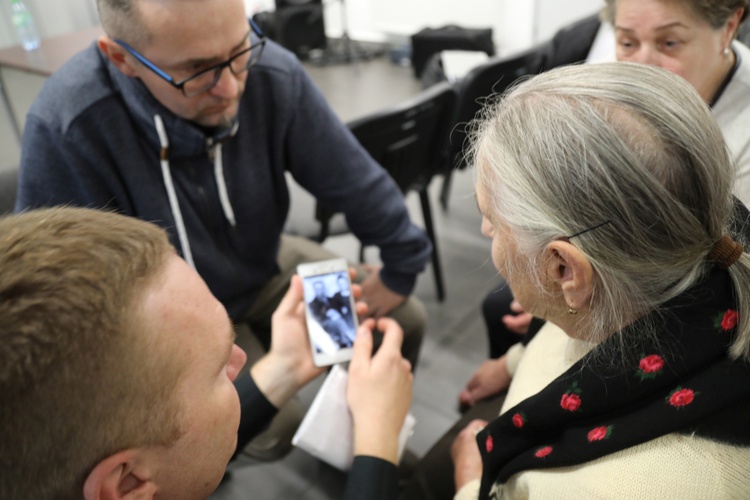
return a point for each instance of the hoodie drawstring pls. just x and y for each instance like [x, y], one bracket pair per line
[169, 185]
[222, 185]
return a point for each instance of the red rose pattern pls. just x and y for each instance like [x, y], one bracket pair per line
[543, 452]
[598, 433]
[651, 364]
[570, 402]
[729, 320]
[681, 397]
[648, 366]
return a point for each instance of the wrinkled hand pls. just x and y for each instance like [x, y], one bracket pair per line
[517, 323]
[490, 378]
[380, 299]
[379, 390]
[288, 365]
[467, 461]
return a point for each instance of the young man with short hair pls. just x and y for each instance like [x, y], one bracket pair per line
[117, 368]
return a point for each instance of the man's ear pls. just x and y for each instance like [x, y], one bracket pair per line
[117, 55]
[120, 476]
[571, 270]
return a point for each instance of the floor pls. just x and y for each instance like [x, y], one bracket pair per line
[455, 342]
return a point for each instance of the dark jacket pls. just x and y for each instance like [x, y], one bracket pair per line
[91, 140]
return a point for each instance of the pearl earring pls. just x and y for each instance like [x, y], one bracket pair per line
[726, 51]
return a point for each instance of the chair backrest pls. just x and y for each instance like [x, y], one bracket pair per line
[8, 189]
[407, 140]
[572, 43]
[484, 81]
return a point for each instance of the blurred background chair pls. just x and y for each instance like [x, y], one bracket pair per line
[482, 82]
[408, 141]
[8, 188]
[298, 25]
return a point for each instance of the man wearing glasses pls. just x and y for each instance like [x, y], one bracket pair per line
[186, 116]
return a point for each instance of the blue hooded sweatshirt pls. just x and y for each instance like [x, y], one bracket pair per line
[97, 138]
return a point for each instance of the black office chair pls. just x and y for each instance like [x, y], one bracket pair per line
[407, 141]
[8, 189]
[490, 78]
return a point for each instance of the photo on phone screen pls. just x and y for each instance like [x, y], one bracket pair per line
[331, 317]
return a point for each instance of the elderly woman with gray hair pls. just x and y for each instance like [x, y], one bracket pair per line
[607, 193]
[691, 38]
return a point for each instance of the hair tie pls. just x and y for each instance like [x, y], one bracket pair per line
[725, 252]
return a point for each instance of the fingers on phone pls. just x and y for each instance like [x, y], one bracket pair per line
[362, 351]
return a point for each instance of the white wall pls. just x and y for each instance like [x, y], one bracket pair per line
[52, 17]
[516, 24]
[554, 14]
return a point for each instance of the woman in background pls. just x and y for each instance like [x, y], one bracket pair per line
[696, 40]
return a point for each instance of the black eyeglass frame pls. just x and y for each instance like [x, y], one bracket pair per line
[218, 69]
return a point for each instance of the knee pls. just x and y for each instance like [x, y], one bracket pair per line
[412, 317]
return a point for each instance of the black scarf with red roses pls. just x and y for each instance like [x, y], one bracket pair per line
[680, 380]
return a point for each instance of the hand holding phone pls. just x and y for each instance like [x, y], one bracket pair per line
[330, 310]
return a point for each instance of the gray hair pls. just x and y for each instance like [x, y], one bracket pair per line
[715, 12]
[121, 20]
[628, 145]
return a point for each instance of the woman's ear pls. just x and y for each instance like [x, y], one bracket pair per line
[570, 269]
[116, 54]
[120, 476]
[732, 26]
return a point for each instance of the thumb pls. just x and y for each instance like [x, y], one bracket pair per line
[292, 298]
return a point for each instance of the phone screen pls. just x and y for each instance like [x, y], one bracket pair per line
[331, 320]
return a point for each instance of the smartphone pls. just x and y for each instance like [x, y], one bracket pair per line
[329, 308]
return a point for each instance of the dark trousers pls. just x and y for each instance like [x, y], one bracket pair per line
[432, 478]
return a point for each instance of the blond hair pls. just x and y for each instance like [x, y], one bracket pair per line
[79, 380]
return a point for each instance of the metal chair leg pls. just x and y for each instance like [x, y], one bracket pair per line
[436, 268]
[446, 188]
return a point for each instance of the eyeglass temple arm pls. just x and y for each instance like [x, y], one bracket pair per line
[145, 61]
[256, 28]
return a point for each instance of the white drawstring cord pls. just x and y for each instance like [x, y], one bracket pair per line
[222, 185]
[169, 185]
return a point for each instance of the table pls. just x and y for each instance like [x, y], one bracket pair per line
[52, 53]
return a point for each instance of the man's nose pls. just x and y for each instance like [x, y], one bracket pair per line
[228, 85]
[237, 360]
